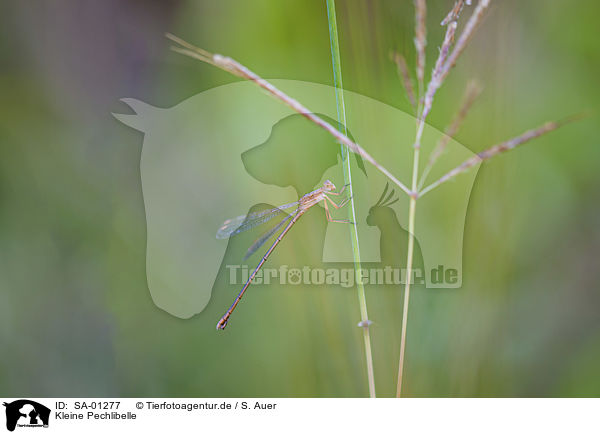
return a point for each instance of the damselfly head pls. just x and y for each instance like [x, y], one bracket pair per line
[328, 185]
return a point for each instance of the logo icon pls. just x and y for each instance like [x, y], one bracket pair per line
[26, 413]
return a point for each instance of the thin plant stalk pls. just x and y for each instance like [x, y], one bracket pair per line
[420, 41]
[409, 263]
[472, 92]
[465, 37]
[445, 62]
[412, 210]
[341, 113]
[507, 145]
[441, 69]
[406, 80]
[233, 67]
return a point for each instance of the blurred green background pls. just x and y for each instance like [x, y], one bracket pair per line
[76, 317]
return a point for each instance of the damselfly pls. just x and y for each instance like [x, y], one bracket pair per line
[245, 222]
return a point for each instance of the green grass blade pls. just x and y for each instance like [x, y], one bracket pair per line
[341, 111]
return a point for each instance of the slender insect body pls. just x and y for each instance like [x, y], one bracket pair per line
[234, 226]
